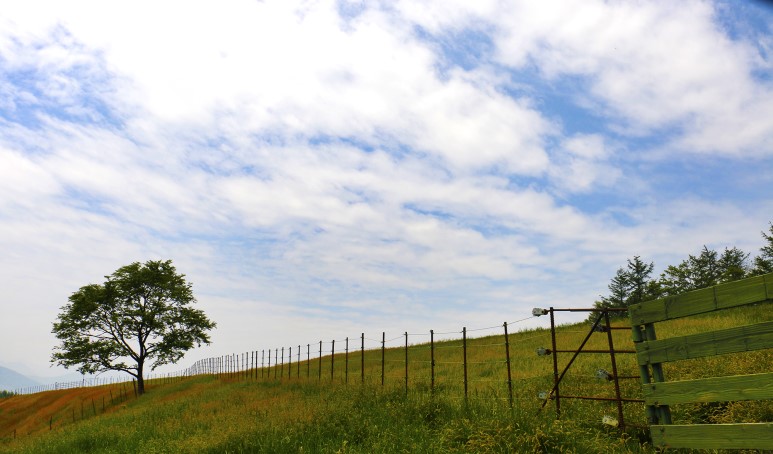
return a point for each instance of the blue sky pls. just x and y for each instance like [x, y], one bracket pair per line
[318, 168]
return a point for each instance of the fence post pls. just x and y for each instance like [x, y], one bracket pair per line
[262, 363]
[509, 373]
[619, 397]
[276, 360]
[555, 362]
[332, 360]
[282, 367]
[406, 363]
[362, 358]
[308, 361]
[346, 362]
[299, 362]
[319, 378]
[290, 363]
[383, 342]
[432, 360]
[464, 351]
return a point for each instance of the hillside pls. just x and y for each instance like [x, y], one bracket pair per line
[318, 411]
[10, 380]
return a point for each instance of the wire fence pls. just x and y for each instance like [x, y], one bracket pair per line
[470, 363]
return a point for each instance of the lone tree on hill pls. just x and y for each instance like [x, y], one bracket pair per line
[140, 314]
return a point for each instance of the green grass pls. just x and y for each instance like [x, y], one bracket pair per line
[296, 414]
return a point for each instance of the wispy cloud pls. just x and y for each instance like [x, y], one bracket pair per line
[324, 167]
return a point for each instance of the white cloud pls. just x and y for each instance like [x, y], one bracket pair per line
[289, 159]
[658, 65]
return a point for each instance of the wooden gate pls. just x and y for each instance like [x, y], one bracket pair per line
[659, 393]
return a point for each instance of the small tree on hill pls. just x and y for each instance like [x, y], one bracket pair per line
[630, 285]
[763, 263]
[140, 314]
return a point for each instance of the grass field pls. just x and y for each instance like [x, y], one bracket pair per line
[316, 412]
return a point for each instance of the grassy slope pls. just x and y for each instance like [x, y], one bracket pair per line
[209, 414]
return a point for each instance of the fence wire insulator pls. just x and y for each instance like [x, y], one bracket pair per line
[537, 311]
[601, 374]
[610, 421]
[542, 351]
[544, 395]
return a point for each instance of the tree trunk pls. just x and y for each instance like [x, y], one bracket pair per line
[140, 379]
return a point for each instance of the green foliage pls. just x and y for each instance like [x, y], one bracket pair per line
[631, 285]
[4, 393]
[763, 263]
[141, 313]
[236, 414]
[707, 269]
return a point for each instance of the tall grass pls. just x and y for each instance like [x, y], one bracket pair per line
[330, 413]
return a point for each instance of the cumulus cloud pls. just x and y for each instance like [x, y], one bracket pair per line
[307, 161]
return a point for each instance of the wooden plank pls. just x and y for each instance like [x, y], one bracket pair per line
[739, 293]
[746, 291]
[732, 340]
[714, 436]
[714, 389]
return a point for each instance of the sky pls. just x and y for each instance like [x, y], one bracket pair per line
[320, 169]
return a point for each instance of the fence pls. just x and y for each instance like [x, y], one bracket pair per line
[615, 377]
[660, 394]
[94, 381]
[462, 364]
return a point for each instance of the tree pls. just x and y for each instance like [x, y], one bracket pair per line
[618, 288]
[631, 285]
[704, 270]
[732, 264]
[638, 280]
[763, 263]
[676, 279]
[141, 314]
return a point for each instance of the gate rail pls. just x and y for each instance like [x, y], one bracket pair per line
[660, 394]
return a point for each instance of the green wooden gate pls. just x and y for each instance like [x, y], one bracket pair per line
[659, 393]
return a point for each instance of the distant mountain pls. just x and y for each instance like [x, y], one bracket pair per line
[11, 380]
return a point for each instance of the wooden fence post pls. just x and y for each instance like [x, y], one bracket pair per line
[308, 361]
[383, 342]
[509, 373]
[362, 358]
[299, 362]
[320, 362]
[282, 367]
